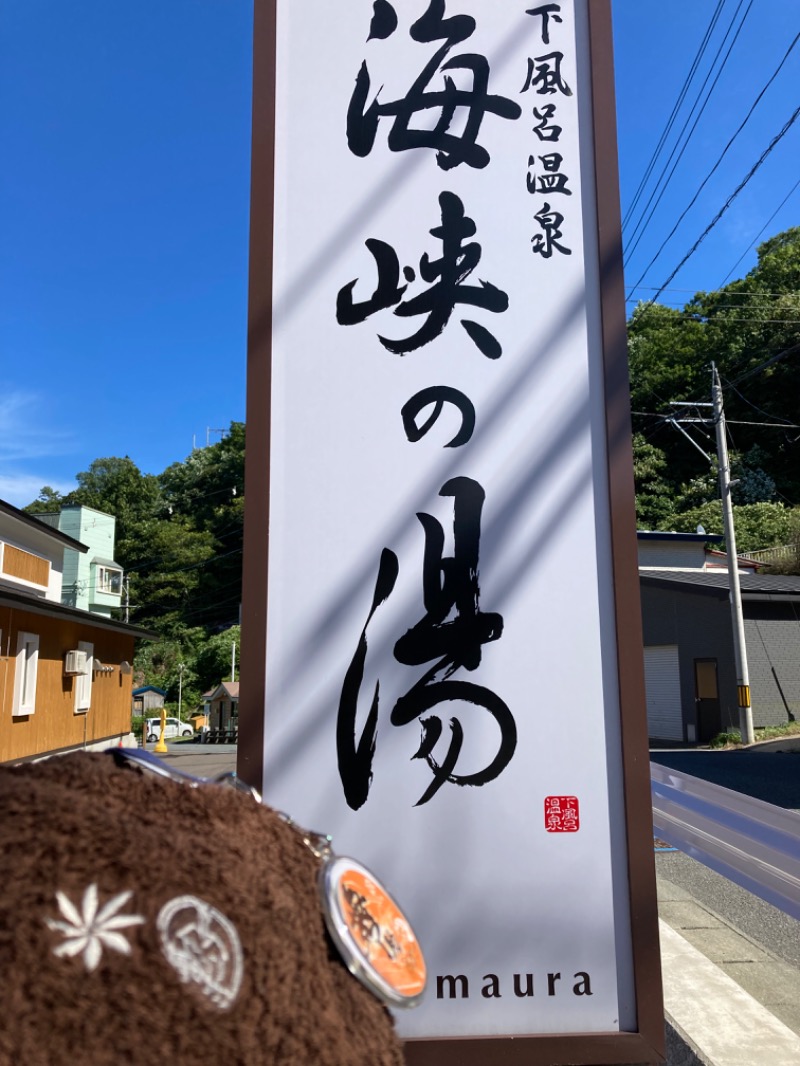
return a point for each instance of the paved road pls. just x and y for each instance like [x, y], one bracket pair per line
[770, 776]
[201, 760]
[766, 925]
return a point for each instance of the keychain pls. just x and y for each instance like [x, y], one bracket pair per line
[370, 931]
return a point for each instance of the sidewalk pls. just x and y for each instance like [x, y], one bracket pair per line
[770, 981]
[729, 1001]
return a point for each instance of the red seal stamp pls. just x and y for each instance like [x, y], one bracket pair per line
[561, 814]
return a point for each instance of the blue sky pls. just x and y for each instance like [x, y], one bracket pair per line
[124, 191]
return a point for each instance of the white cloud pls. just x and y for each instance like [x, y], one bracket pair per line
[28, 437]
[26, 427]
[22, 489]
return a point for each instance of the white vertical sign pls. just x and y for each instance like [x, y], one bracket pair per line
[441, 677]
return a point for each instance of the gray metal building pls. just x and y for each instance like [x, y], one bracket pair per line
[689, 661]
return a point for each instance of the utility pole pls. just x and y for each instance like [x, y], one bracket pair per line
[181, 668]
[233, 661]
[735, 593]
[126, 584]
[734, 588]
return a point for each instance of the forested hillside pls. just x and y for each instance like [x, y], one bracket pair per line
[751, 330]
[179, 541]
[179, 533]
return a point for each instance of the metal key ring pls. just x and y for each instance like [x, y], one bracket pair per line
[151, 764]
[370, 931]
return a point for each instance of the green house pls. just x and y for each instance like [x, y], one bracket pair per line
[92, 580]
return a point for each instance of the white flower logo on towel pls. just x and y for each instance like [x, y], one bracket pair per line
[88, 931]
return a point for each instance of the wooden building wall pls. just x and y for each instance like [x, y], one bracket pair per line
[54, 725]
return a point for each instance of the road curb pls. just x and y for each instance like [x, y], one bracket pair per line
[718, 1023]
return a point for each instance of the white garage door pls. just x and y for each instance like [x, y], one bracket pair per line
[663, 687]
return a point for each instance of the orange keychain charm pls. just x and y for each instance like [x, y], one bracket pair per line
[371, 932]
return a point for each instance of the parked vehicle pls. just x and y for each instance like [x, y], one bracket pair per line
[173, 728]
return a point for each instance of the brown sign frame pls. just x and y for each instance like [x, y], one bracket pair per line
[646, 1044]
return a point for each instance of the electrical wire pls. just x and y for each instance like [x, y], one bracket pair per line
[769, 220]
[689, 316]
[676, 108]
[644, 222]
[724, 152]
[710, 292]
[768, 362]
[742, 184]
[760, 410]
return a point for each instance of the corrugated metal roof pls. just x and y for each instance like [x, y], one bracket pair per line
[761, 584]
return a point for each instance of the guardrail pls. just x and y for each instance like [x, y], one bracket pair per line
[766, 555]
[754, 844]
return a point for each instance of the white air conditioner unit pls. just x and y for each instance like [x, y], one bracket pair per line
[76, 662]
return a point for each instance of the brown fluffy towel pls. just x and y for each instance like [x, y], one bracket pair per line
[146, 922]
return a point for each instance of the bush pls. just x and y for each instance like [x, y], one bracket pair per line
[724, 740]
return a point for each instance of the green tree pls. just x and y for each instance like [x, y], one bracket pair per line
[164, 661]
[208, 490]
[48, 501]
[654, 496]
[205, 659]
[751, 330]
[790, 562]
[164, 563]
[212, 663]
[665, 366]
[757, 525]
[119, 488]
[208, 480]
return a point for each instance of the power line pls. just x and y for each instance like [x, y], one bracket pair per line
[768, 362]
[730, 421]
[676, 108]
[193, 566]
[771, 217]
[716, 294]
[644, 222]
[753, 170]
[710, 292]
[760, 410]
[704, 320]
[724, 152]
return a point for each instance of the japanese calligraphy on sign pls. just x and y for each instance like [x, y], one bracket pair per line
[440, 625]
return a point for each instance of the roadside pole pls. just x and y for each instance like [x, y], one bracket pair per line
[181, 668]
[739, 645]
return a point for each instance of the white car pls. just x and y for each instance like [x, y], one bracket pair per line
[173, 728]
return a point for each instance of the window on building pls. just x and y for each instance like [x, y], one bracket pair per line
[83, 682]
[25, 673]
[109, 580]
